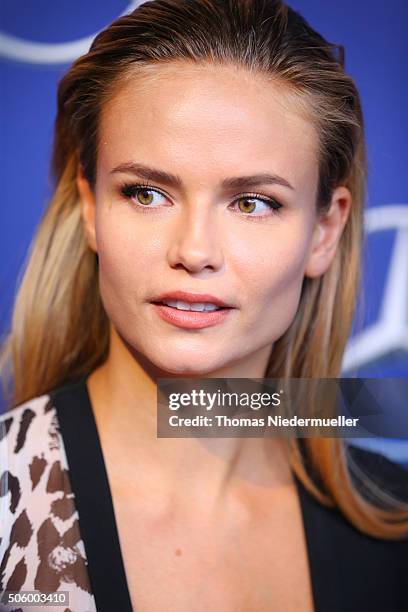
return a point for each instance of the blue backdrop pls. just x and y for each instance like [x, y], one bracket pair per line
[40, 38]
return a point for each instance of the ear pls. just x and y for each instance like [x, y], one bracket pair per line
[87, 203]
[327, 233]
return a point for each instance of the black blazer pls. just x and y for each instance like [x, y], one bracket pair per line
[351, 572]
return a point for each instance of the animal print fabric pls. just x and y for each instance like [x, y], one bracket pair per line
[40, 543]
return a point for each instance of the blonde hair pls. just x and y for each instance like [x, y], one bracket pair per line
[59, 329]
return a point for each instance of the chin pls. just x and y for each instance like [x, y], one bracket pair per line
[188, 370]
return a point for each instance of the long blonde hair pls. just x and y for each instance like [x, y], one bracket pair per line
[59, 329]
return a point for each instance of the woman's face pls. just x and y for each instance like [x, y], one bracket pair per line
[204, 233]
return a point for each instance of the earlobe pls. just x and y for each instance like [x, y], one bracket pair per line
[87, 204]
[327, 233]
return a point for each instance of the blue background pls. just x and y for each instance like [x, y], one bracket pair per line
[376, 47]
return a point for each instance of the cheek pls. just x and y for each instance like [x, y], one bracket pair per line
[121, 255]
[272, 272]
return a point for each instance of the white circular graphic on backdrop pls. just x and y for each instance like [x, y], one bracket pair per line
[16, 48]
[390, 332]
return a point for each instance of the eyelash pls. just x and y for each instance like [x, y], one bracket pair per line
[129, 190]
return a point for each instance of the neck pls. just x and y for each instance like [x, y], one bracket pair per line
[123, 394]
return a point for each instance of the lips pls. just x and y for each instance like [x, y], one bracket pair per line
[191, 319]
[190, 298]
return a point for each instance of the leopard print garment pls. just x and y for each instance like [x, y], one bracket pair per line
[40, 543]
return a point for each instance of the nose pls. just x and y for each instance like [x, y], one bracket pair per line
[195, 240]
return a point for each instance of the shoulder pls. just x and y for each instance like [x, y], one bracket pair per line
[372, 569]
[30, 445]
[383, 483]
[30, 453]
[380, 479]
[22, 428]
[32, 427]
[40, 541]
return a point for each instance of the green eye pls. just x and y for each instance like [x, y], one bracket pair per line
[143, 194]
[144, 197]
[247, 204]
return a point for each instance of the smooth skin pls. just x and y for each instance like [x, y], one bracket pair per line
[220, 517]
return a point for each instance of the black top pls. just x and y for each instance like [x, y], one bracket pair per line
[350, 571]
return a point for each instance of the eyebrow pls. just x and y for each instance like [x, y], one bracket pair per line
[172, 180]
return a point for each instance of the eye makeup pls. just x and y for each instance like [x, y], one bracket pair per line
[130, 191]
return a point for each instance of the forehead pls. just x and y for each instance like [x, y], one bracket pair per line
[209, 119]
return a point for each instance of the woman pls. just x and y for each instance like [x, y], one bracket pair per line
[207, 153]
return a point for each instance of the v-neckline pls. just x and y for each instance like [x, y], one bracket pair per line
[97, 521]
